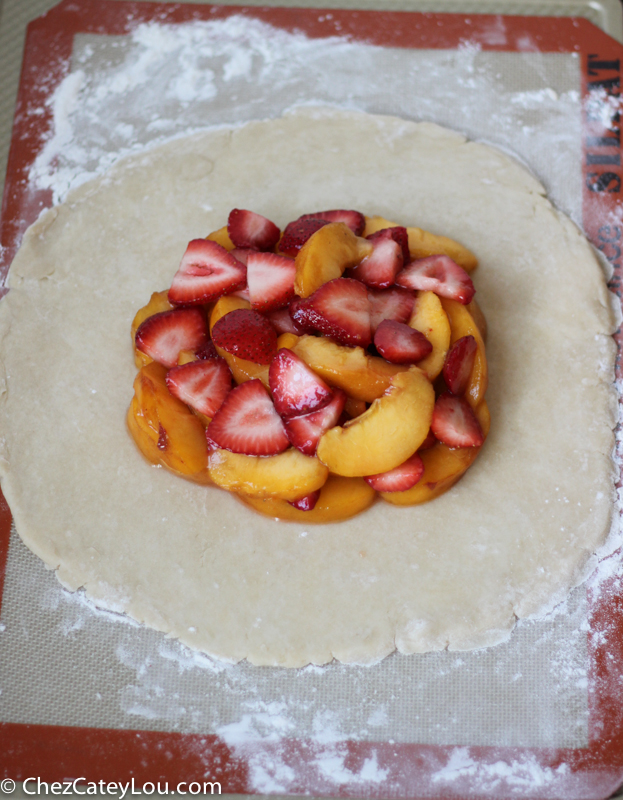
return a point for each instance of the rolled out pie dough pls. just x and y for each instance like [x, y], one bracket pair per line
[509, 540]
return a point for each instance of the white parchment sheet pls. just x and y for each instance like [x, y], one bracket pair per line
[62, 661]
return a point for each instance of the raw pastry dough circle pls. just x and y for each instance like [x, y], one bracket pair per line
[507, 541]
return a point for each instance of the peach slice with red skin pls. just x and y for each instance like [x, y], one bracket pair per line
[387, 434]
[288, 476]
[429, 318]
[165, 429]
[340, 498]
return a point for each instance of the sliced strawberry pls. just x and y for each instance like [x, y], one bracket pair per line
[306, 503]
[246, 334]
[457, 367]
[242, 254]
[271, 280]
[296, 389]
[203, 385]
[304, 432]
[430, 440]
[439, 274]
[297, 233]
[206, 272]
[243, 294]
[399, 235]
[163, 335]
[400, 344]
[380, 268]
[354, 219]
[400, 478]
[454, 423]
[248, 423]
[207, 351]
[340, 309]
[395, 303]
[283, 322]
[248, 229]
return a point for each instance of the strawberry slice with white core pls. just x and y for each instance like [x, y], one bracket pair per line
[399, 235]
[243, 294]
[296, 389]
[250, 230]
[283, 322]
[246, 334]
[206, 272]
[270, 279]
[163, 335]
[400, 478]
[339, 309]
[203, 385]
[304, 432]
[297, 233]
[458, 365]
[247, 422]
[394, 303]
[454, 423]
[380, 268]
[400, 344]
[354, 219]
[306, 503]
[439, 274]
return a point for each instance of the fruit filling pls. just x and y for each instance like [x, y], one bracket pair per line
[314, 370]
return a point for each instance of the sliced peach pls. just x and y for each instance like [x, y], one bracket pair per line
[221, 236]
[340, 498]
[387, 434]
[165, 429]
[443, 466]
[361, 376]
[423, 243]
[479, 318]
[185, 357]
[354, 407]
[287, 476]
[241, 369]
[429, 318]
[374, 224]
[325, 256]
[158, 302]
[462, 324]
[288, 340]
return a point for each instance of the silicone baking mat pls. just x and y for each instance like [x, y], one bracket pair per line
[87, 694]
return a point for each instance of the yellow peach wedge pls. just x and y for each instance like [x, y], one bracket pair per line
[361, 376]
[387, 434]
[158, 302]
[165, 429]
[443, 466]
[241, 369]
[325, 256]
[340, 498]
[374, 224]
[479, 318]
[423, 243]
[462, 324]
[288, 476]
[429, 318]
[221, 236]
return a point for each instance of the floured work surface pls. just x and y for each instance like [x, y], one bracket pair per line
[459, 227]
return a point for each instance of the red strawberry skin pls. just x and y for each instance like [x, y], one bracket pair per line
[203, 385]
[247, 229]
[246, 334]
[394, 303]
[163, 335]
[400, 344]
[339, 309]
[207, 351]
[270, 278]
[399, 235]
[439, 274]
[304, 432]
[247, 423]
[399, 479]
[207, 271]
[454, 423]
[354, 219]
[283, 322]
[379, 269]
[297, 233]
[306, 503]
[296, 389]
[457, 367]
